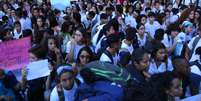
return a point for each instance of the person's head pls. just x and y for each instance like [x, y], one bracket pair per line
[67, 27]
[142, 19]
[173, 29]
[159, 52]
[52, 43]
[85, 55]
[187, 26]
[130, 9]
[157, 5]
[119, 9]
[167, 84]
[76, 17]
[66, 76]
[191, 15]
[159, 33]
[151, 16]
[109, 11]
[140, 29]
[169, 6]
[79, 35]
[36, 53]
[113, 41]
[109, 28]
[7, 34]
[131, 34]
[39, 22]
[91, 15]
[35, 12]
[140, 59]
[104, 18]
[181, 66]
[17, 26]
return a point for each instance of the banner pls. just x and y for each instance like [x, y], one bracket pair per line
[14, 54]
[60, 4]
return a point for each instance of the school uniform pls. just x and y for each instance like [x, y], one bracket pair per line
[151, 28]
[130, 20]
[108, 57]
[190, 45]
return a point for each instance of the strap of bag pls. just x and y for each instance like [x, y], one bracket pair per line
[195, 42]
[60, 92]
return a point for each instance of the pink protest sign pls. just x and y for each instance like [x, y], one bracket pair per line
[14, 54]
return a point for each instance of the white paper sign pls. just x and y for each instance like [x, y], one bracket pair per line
[60, 4]
[37, 69]
[193, 98]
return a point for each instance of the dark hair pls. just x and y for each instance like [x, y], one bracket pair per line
[38, 51]
[139, 18]
[77, 17]
[156, 47]
[173, 27]
[131, 34]
[44, 43]
[91, 14]
[17, 23]
[128, 7]
[103, 16]
[138, 55]
[119, 9]
[88, 50]
[151, 14]
[65, 26]
[139, 25]
[159, 33]
[113, 38]
[163, 82]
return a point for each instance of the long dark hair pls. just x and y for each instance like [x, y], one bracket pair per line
[88, 50]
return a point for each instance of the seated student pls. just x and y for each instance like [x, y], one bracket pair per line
[141, 35]
[17, 32]
[110, 54]
[35, 87]
[140, 62]
[127, 46]
[167, 86]
[159, 61]
[195, 77]
[182, 70]
[65, 90]
[9, 86]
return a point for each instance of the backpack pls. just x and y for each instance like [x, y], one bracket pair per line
[196, 63]
[195, 42]
[97, 70]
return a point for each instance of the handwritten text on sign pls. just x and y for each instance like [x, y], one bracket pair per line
[14, 54]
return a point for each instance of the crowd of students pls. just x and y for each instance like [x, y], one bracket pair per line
[157, 41]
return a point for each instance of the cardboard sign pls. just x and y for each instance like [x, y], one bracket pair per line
[14, 54]
[60, 4]
[37, 69]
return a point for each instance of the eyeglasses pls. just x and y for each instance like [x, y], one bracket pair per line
[85, 56]
[78, 34]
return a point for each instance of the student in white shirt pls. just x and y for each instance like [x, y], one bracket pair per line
[142, 36]
[75, 44]
[17, 33]
[159, 62]
[129, 19]
[25, 21]
[193, 45]
[151, 26]
[110, 54]
[65, 90]
[87, 20]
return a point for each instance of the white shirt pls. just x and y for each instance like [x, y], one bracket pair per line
[26, 23]
[167, 41]
[68, 94]
[95, 37]
[16, 35]
[98, 45]
[142, 41]
[153, 69]
[105, 58]
[130, 20]
[151, 28]
[76, 49]
[126, 46]
[190, 45]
